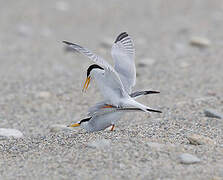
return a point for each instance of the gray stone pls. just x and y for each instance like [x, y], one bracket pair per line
[43, 94]
[186, 158]
[196, 139]
[7, 133]
[213, 114]
[200, 41]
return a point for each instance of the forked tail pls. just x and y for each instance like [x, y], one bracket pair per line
[136, 104]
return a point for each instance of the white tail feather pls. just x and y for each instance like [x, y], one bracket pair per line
[132, 102]
[136, 104]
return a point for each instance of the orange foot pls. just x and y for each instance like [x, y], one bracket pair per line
[113, 127]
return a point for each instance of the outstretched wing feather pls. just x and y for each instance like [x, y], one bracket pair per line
[123, 53]
[109, 70]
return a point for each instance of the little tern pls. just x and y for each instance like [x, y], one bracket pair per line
[116, 83]
[101, 118]
[101, 121]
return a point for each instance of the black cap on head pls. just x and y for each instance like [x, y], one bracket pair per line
[85, 120]
[93, 66]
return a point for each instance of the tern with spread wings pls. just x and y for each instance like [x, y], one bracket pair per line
[106, 113]
[116, 83]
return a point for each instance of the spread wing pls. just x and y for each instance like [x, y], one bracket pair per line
[123, 53]
[98, 60]
[109, 70]
[98, 107]
[98, 110]
[138, 94]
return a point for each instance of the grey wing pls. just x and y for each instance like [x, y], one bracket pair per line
[109, 70]
[99, 106]
[123, 53]
[104, 111]
[138, 94]
[98, 109]
[98, 60]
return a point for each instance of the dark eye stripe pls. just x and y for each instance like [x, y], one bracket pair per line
[85, 120]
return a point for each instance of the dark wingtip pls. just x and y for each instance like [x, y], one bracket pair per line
[152, 92]
[153, 110]
[121, 36]
[66, 42]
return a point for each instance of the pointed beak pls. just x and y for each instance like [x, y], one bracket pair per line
[74, 125]
[86, 84]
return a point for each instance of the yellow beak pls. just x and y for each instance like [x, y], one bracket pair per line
[86, 84]
[74, 125]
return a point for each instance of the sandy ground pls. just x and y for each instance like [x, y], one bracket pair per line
[41, 85]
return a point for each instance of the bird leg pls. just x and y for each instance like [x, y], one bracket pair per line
[113, 127]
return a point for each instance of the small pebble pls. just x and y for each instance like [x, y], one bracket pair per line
[200, 41]
[43, 94]
[7, 133]
[99, 144]
[196, 139]
[59, 127]
[213, 114]
[186, 158]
